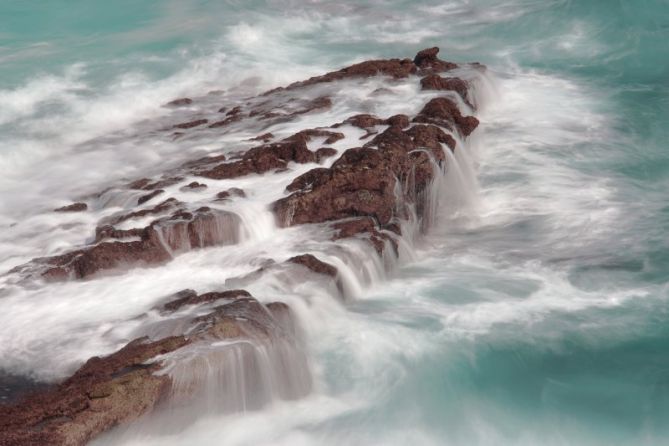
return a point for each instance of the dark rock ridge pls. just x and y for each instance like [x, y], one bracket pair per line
[123, 386]
[74, 207]
[270, 156]
[428, 62]
[436, 82]
[194, 186]
[362, 182]
[190, 124]
[229, 193]
[156, 244]
[359, 186]
[445, 113]
[180, 102]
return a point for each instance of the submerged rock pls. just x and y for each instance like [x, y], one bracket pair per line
[315, 265]
[156, 244]
[180, 102]
[74, 207]
[427, 60]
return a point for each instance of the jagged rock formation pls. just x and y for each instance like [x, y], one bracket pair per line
[366, 192]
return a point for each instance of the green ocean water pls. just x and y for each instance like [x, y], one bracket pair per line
[547, 322]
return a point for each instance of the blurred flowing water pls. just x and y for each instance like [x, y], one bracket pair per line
[534, 312]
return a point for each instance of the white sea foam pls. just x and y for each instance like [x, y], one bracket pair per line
[512, 211]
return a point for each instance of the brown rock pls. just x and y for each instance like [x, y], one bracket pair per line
[401, 121]
[109, 232]
[432, 137]
[232, 192]
[365, 227]
[319, 103]
[104, 392]
[157, 243]
[144, 198]
[309, 180]
[194, 186]
[88, 261]
[263, 158]
[148, 184]
[308, 135]
[363, 121]
[363, 181]
[190, 124]
[180, 102]
[227, 121]
[315, 265]
[74, 207]
[394, 68]
[122, 387]
[436, 82]
[357, 184]
[202, 228]
[427, 60]
[235, 111]
[165, 206]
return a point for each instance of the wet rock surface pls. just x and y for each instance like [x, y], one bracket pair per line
[125, 385]
[311, 262]
[74, 207]
[157, 243]
[362, 190]
[399, 153]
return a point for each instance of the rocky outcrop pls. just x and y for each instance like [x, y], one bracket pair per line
[311, 262]
[194, 186]
[156, 244]
[74, 207]
[427, 61]
[144, 198]
[181, 102]
[445, 113]
[399, 154]
[190, 124]
[362, 182]
[374, 185]
[436, 82]
[229, 193]
[101, 394]
[262, 159]
[148, 184]
[125, 385]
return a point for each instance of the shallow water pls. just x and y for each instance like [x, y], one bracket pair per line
[533, 312]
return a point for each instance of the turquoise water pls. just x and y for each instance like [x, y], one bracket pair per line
[543, 322]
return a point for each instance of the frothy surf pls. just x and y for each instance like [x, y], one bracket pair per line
[530, 311]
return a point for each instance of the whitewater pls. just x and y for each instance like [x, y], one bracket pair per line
[533, 310]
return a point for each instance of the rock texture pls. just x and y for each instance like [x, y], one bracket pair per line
[154, 244]
[123, 386]
[74, 207]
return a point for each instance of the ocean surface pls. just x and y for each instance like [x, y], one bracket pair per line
[534, 312]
